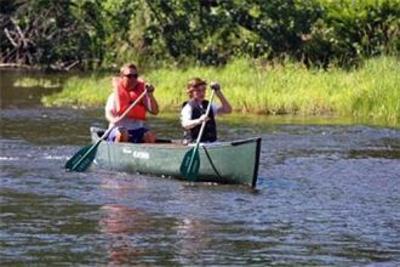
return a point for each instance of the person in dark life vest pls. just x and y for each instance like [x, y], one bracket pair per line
[193, 111]
[127, 87]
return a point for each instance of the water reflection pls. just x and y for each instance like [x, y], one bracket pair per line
[194, 238]
[120, 224]
[16, 94]
[134, 236]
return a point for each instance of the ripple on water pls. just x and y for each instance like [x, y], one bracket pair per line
[327, 195]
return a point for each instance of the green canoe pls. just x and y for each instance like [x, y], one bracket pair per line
[233, 162]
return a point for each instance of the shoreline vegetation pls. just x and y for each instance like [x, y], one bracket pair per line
[302, 58]
[370, 92]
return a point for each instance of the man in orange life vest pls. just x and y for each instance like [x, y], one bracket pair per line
[193, 111]
[127, 88]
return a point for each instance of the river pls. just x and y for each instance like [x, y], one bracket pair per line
[328, 194]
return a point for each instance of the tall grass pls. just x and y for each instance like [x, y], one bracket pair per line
[371, 91]
[81, 92]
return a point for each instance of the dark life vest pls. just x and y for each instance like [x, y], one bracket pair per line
[210, 130]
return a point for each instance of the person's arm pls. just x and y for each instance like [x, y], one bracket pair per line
[150, 101]
[115, 102]
[225, 105]
[110, 109]
[186, 115]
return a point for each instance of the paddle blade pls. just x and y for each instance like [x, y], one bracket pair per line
[190, 164]
[82, 159]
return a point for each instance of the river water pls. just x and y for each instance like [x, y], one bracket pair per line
[328, 194]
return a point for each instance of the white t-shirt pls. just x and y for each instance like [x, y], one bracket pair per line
[186, 113]
[128, 123]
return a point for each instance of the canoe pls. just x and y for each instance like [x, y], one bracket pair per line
[233, 162]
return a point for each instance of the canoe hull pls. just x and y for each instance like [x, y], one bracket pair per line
[225, 162]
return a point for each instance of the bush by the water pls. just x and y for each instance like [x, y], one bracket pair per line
[93, 34]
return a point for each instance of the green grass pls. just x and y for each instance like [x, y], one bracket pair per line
[371, 92]
[81, 92]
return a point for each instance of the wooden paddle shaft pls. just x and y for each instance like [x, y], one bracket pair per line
[203, 124]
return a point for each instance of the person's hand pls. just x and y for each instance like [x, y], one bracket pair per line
[202, 118]
[150, 88]
[215, 86]
[114, 119]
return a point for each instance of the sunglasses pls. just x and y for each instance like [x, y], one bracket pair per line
[131, 75]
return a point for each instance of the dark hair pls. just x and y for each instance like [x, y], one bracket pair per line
[195, 82]
[127, 66]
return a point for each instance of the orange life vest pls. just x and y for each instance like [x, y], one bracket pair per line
[126, 98]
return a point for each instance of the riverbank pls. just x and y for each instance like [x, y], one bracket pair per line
[370, 91]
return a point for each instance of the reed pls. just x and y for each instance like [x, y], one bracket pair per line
[371, 91]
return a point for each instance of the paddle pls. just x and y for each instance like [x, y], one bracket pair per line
[84, 157]
[191, 161]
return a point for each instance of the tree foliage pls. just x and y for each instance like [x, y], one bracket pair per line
[93, 33]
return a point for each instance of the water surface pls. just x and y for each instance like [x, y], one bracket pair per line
[328, 193]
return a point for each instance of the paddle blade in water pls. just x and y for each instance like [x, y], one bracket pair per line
[190, 164]
[82, 159]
